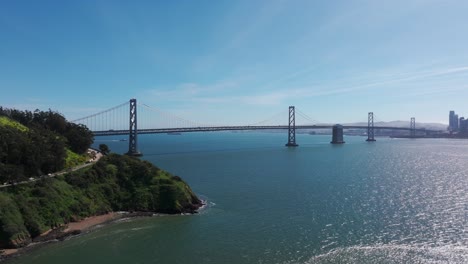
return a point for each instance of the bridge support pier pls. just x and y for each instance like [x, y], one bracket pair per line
[370, 127]
[413, 127]
[337, 134]
[133, 133]
[292, 128]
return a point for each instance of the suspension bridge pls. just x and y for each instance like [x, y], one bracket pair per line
[123, 120]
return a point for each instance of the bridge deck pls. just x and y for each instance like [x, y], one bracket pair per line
[239, 128]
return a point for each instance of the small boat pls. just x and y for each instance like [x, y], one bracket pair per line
[123, 139]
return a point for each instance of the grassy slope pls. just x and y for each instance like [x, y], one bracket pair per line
[73, 159]
[5, 121]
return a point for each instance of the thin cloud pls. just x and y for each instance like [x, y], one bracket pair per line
[397, 79]
[269, 98]
[439, 90]
[229, 92]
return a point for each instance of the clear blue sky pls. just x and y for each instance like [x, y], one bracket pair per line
[238, 60]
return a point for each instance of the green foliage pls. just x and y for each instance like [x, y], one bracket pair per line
[79, 137]
[72, 159]
[11, 223]
[104, 149]
[5, 121]
[36, 143]
[114, 183]
[33, 144]
[23, 155]
[130, 184]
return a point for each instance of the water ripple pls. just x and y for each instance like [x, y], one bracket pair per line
[394, 254]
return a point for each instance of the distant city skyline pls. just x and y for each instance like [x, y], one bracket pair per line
[457, 123]
[238, 60]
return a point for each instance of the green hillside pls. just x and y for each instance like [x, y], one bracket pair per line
[34, 144]
[37, 143]
[5, 121]
[115, 183]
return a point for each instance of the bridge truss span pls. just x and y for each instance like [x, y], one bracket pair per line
[238, 128]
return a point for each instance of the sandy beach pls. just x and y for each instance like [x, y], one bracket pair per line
[69, 229]
[89, 222]
[75, 228]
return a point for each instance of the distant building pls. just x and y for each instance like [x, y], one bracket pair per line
[453, 121]
[463, 125]
[451, 116]
[458, 125]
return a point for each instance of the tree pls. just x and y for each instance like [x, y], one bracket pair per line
[104, 149]
[79, 137]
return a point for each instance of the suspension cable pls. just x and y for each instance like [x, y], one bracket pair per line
[102, 112]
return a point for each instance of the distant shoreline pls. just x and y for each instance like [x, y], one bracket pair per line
[433, 136]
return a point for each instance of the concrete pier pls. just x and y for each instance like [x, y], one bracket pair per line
[337, 134]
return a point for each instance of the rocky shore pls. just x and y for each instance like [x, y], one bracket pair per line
[76, 228]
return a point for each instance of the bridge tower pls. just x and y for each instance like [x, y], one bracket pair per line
[413, 127]
[133, 132]
[292, 128]
[370, 127]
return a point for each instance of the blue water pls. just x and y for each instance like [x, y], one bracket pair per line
[391, 201]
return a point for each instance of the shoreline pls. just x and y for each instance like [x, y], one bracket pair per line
[89, 222]
[83, 226]
[63, 232]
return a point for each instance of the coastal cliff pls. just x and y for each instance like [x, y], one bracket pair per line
[114, 183]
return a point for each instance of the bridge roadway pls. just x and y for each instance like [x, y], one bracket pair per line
[238, 128]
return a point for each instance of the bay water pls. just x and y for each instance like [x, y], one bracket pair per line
[390, 201]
